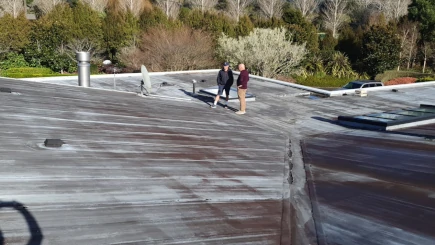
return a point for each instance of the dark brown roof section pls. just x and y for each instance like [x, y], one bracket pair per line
[371, 190]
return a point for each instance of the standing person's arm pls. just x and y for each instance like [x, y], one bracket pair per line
[219, 78]
[239, 80]
[243, 78]
[230, 77]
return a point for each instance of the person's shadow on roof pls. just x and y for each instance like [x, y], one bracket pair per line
[204, 98]
[208, 99]
[34, 229]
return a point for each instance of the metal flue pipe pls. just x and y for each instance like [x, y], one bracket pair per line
[84, 68]
[194, 86]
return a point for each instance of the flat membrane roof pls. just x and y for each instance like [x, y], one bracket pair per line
[168, 169]
[135, 170]
[371, 190]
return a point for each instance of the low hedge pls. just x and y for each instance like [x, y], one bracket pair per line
[29, 72]
[23, 75]
[323, 82]
[425, 79]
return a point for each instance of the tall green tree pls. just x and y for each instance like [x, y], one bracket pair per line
[132, 29]
[327, 45]
[48, 39]
[380, 50]
[156, 17]
[350, 43]
[47, 50]
[87, 24]
[114, 27]
[303, 30]
[268, 23]
[244, 27]
[60, 16]
[14, 32]
[211, 22]
[423, 11]
[327, 42]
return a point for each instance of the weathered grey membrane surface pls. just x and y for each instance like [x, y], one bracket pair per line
[373, 189]
[135, 170]
[235, 166]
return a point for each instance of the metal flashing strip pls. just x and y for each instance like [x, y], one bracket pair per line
[293, 85]
[119, 75]
[410, 125]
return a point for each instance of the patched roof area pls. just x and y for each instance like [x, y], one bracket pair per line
[168, 169]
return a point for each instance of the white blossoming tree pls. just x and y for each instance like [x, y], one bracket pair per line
[266, 52]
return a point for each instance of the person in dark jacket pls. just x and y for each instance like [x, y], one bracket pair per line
[242, 87]
[225, 80]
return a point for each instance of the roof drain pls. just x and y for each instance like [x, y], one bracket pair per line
[84, 68]
[53, 143]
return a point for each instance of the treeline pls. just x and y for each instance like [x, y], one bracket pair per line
[339, 38]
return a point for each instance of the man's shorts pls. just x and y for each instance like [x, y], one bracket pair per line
[220, 89]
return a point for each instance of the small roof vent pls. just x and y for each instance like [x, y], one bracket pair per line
[5, 90]
[53, 142]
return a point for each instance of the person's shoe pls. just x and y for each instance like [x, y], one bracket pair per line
[213, 106]
[226, 106]
[240, 112]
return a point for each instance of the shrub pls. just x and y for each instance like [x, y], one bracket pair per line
[313, 65]
[23, 75]
[322, 81]
[392, 74]
[94, 69]
[131, 57]
[155, 18]
[214, 23]
[177, 49]
[425, 79]
[13, 60]
[27, 72]
[268, 52]
[401, 80]
[339, 66]
[30, 70]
